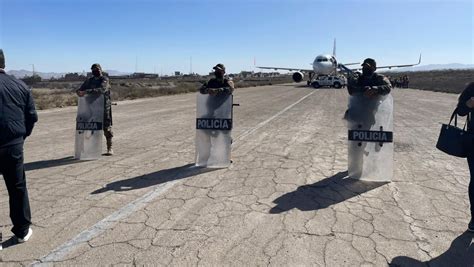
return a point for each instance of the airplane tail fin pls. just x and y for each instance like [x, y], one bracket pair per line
[334, 48]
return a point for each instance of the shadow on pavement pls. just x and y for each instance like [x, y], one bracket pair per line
[322, 194]
[154, 178]
[50, 163]
[460, 253]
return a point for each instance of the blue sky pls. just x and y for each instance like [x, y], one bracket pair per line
[162, 36]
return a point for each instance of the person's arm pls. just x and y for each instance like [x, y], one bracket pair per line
[31, 117]
[462, 108]
[203, 89]
[82, 88]
[104, 87]
[353, 85]
[228, 89]
[384, 87]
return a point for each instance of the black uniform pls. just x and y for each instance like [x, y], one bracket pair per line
[17, 119]
[463, 110]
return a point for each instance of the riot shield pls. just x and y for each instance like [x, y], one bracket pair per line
[89, 131]
[213, 130]
[370, 152]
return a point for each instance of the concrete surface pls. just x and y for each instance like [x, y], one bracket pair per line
[284, 201]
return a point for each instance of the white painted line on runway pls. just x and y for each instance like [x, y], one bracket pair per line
[62, 251]
[260, 125]
[59, 253]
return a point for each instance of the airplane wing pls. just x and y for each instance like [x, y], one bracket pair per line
[348, 64]
[394, 66]
[289, 69]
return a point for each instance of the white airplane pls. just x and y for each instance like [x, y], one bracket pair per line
[327, 65]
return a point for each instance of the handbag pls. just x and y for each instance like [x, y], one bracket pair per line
[454, 140]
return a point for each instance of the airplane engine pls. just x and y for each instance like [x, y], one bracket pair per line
[298, 76]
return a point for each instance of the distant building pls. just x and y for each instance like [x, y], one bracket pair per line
[246, 74]
[177, 73]
[151, 76]
[120, 77]
[138, 75]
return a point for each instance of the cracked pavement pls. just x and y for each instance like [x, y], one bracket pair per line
[284, 201]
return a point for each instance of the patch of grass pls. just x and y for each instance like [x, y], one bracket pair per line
[448, 81]
[55, 94]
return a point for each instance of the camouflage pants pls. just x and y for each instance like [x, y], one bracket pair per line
[108, 133]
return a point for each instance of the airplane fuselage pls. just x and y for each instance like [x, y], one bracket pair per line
[324, 65]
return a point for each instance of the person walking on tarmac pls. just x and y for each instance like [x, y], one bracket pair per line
[218, 85]
[99, 84]
[370, 83]
[17, 119]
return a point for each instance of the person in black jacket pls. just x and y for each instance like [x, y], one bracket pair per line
[466, 106]
[17, 119]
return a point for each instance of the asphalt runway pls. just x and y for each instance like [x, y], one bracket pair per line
[285, 200]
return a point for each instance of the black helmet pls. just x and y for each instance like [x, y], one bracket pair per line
[219, 67]
[370, 62]
[96, 65]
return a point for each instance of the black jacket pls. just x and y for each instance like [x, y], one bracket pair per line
[17, 111]
[462, 109]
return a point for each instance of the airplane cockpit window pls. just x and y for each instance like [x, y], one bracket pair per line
[322, 59]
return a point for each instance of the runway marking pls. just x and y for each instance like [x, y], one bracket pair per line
[62, 251]
[260, 125]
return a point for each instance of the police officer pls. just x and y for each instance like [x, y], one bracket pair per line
[218, 85]
[99, 84]
[369, 83]
[219, 88]
[17, 120]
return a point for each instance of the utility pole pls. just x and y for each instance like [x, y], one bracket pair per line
[191, 65]
[136, 64]
[33, 69]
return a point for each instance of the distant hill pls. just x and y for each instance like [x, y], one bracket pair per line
[43, 75]
[49, 75]
[452, 66]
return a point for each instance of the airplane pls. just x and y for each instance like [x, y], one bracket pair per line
[326, 64]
